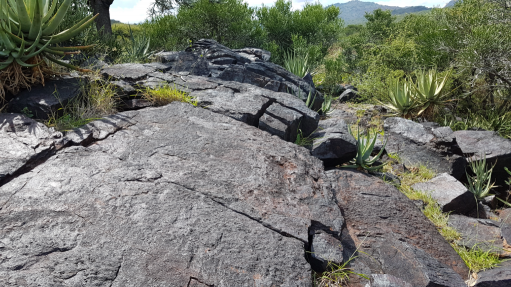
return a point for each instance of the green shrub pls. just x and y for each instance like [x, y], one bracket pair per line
[229, 22]
[314, 24]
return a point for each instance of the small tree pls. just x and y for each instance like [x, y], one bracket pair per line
[102, 7]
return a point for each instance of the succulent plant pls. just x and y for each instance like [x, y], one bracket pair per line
[429, 90]
[401, 97]
[28, 28]
[365, 146]
[29, 33]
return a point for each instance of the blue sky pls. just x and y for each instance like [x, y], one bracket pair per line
[135, 11]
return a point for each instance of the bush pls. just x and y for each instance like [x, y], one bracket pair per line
[317, 27]
[229, 22]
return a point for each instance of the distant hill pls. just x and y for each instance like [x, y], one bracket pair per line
[353, 12]
[112, 21]
[450, 4]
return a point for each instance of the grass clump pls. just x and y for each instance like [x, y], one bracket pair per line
[166, 94]
[97, 99]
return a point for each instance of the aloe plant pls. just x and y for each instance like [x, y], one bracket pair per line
[28, 28]
[429, 91]
[365, 146]
[480, 183]
[299, 66]
[401, 97]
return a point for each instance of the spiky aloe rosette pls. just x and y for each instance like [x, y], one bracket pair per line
[28, 35]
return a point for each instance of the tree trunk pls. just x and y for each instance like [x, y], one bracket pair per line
[102, 7]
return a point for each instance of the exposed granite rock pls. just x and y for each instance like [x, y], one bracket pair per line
[392, 233]
[451, 195]
[482, 233]
[334, 144]
[24, 142]
[44, 101]
[176, 196]
[417, 144]
[496, 149]
[496, 277]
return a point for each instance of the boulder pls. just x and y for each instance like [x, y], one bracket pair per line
[209, 58]
[417, 144]
[386, 280]
[479, 144]
[167, 196]
[128, 72]
[24, 143]
[496, 277]
[348, 95]
[44, 101]
[334, 144]
[392, 233]
[480, 233]
[449, 193]
[326, 252]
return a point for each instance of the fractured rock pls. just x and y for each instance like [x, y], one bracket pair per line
[176, 194]
[417, 144]
[451, 195]
[392, 233]
[496, 277]
[326, 251]
[45, 101]
[480, 233]
[334, 144]
[489, 144]
[24, 142]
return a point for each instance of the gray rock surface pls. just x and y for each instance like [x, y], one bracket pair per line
[208, 58]
[128, 71]
[44, 101]
[496, 277]
[481, 233]
[24, 142]
[386, 280]
[392, 233]
[417, 144]
[326, 252]
[168, 196]
[497, 150]
[451, 195]
[334, 144]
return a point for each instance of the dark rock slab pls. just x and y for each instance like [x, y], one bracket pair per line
[44, 101]
[392, 233]
[244, 107]
[281, 121]
[128, 72]
[24, 141]
[177, 196]
[207, 57]
[479, 144]
[334, 145]
[451, 195]
[348, 95]
[195, 64]
[417, 144]
[481, 233]
[496, 277]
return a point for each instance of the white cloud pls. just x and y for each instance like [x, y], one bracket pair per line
[134, 13]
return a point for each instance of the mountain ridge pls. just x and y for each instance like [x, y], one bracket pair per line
[353, 12]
